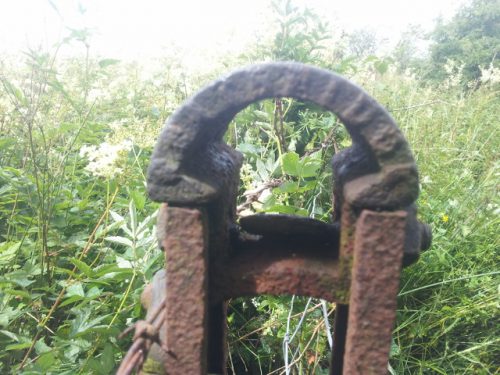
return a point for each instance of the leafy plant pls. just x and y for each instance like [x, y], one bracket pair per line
[77, 243]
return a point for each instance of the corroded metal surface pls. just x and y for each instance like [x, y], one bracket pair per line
[187, 292]
[273, 267]
[290, 226]
[354, 261]
[375, 281]
[191, 163]
[147, 334]
[152, 297]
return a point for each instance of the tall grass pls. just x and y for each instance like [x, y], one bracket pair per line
[448, 318]
[76, 248]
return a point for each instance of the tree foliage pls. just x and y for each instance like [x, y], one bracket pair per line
[470, 41]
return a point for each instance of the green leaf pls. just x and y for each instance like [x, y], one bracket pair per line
[46, 360]
[133, 217]
[82, 266]
[143, 225]
[107, 359]
[58, 86]
[73, 350]
[262, 115]
[289, 187]
[5, 188]
[7, 314]
[123, 263]
[120, 240]
[16, 92]
[116, 216]
[93, 292]
[138, 198]
[105, 230]
[20, 346]
[75, 290]
[9, 334]
[291, 210]
[309, 167]
[395, 350]
[107, 62]
[247, 148]
[83, 323]
[6, 143]
[18, 293]
[381, 66]
[41, 347]
[20, 278]
[262, 170]
[109, 269]
[71, 300]
[290, 162]
[8, 251]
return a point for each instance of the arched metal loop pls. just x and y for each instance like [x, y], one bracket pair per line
[191, 162]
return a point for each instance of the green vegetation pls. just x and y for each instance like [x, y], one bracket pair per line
[77, 241]
[469, 43]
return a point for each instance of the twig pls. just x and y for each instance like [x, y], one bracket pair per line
[253, 195]
[269, 325]
[327, 324]
[326, 143]
[286, 339]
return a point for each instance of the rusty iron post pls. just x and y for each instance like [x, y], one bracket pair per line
[187, 290]
[378, 254]
[210, 257]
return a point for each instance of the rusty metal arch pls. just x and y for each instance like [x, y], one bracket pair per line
[189, 158]
[355, 261]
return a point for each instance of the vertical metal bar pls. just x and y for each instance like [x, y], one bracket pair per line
[185, 244]
[339, 333]
[346, 250]
[378, 252]
[217, 344]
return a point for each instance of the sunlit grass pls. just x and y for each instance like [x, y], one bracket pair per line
[448, 320]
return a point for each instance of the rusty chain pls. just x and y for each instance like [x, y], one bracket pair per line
[146, 334]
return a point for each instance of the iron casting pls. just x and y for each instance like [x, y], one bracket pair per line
[355, 261]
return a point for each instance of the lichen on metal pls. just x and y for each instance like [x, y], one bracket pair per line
[211, 257]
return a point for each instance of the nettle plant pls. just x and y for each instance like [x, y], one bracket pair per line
[287, 147]
[66, 289]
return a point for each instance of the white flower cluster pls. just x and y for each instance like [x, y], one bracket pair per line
[104, 160]
[455, 73]
[490, 75]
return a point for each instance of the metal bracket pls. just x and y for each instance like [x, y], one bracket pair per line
[354, 262]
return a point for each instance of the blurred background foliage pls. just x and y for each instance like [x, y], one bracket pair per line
[77, 237]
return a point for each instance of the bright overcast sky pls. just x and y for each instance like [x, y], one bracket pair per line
[133, 29]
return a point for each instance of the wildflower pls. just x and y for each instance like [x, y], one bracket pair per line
[490, 75]
[104, 159]
[445, 218]
[455, 73]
